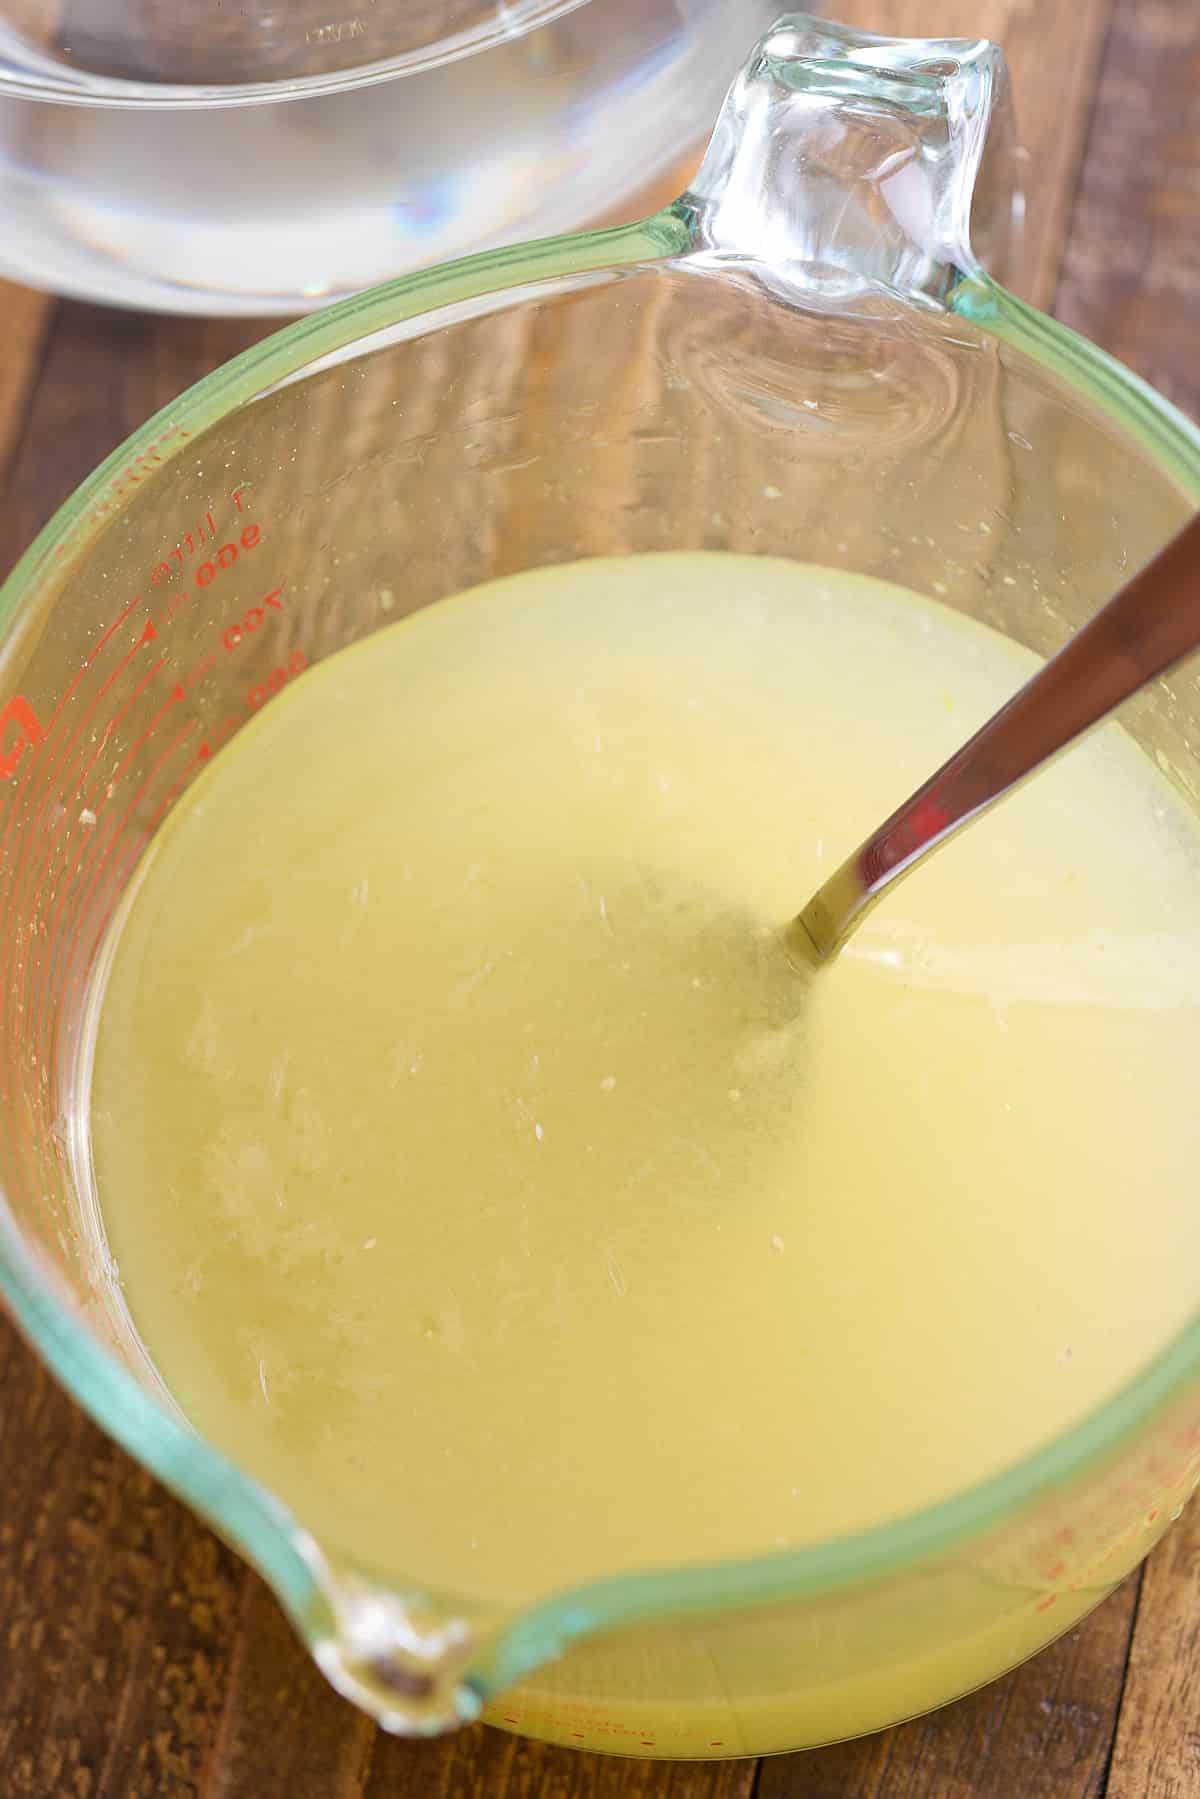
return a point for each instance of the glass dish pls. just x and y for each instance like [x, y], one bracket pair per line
[262, 158]
[800, 357]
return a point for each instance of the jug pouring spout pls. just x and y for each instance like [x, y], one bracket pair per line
[405, 1657]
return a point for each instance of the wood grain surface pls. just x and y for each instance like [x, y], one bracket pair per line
[25, 316]
[138, 1657]
[1131, 273]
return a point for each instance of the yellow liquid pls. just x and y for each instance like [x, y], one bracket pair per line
[485, 1181]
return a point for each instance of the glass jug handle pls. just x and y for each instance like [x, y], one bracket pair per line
[842, 160]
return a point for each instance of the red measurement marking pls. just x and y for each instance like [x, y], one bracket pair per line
[7, 985]
[718, 1744]
[149, 633]
[39, 880]
[57, 714]
[173, 608]
[221, 733]
[73, 974]
[119, 714]
[206, 572]
[84, 667]
[276, 678]
[1043, 1605]
[56, 767]
[254, 620]
[66, 877]
[107, 732]
[226, 556]
[197, 672]
[202, 755]
[173, 699]
[147, 458]
[162, 569]
[20, 713]
[117, 878]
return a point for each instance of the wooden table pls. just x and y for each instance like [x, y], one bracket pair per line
[137, 1655]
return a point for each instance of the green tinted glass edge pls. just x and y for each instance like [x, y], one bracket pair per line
[252, 1520]
[1131, 402]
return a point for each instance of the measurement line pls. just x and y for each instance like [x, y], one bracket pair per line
[21, 895]
[87, 662]
[176, 695]
[202, 755]
[26, 896]
[117, 877]
[39, 880]
[83, 669]
[71, 873]
[58, 712]
[81, 912]
[65, 880]
[148, 635]
[7, 988]
[116, 718]
[68, 878]
[168, 797]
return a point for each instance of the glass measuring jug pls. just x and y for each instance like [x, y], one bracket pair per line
[266, 159]
[801, 357]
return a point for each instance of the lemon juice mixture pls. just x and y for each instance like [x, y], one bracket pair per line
[485, 1180]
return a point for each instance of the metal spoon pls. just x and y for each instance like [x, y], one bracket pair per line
[1153, 621]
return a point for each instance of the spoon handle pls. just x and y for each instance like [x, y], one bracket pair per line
[1151, 622]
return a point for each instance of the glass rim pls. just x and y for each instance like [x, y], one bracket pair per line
[62, 85]
[229, 1500]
